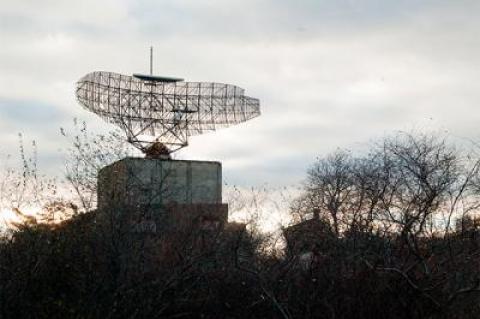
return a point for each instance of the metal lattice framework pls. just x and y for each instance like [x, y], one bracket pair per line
[156, 109]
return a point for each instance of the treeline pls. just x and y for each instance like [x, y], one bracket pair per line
[389, 234]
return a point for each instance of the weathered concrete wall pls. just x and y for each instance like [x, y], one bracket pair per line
[136, 182]
[153, 207]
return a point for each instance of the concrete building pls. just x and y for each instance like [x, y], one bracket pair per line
[160, 211]
[157, 193]
[141, 181]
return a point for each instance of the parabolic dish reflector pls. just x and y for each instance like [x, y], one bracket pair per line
[160, 109]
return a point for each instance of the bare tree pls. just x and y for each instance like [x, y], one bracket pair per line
[86, 155]
[386, 207]
[330, 188]
[22, 185]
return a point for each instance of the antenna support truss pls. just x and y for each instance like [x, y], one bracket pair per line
[152, 109]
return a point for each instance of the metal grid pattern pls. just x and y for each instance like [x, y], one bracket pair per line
[167, 112]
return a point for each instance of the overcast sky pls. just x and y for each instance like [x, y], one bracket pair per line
[329, 74]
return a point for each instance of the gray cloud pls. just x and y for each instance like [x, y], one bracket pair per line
[329, 73]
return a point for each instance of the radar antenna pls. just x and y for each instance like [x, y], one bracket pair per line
[157, 109]
[151, 60]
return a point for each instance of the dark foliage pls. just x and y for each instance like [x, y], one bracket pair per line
[371, 250]
[73, 271]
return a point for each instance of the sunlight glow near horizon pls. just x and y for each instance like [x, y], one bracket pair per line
[9, 216]
[265, 208]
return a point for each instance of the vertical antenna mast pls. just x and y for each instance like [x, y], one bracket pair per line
[151, 60]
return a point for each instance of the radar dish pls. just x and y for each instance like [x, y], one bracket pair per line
[156, 78]
[151, 109]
